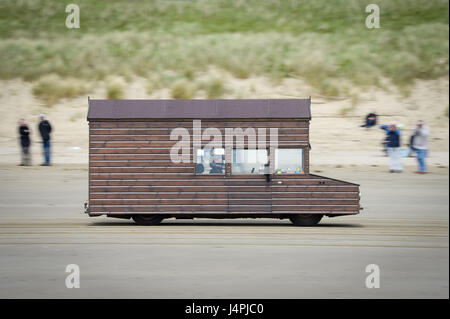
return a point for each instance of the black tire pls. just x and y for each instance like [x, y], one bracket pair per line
[306, 219]
[147, 219]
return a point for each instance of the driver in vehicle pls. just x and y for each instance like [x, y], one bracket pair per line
[217, 165]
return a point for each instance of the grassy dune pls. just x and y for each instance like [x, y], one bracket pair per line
[324, 42]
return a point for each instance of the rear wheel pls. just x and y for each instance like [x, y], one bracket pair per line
[147, 219]
[306, 219]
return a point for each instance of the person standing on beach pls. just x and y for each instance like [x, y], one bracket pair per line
[45, 129]
[393, 147]
[24, 134]
[420, 145]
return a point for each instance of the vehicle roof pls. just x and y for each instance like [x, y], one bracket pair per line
[199, 109]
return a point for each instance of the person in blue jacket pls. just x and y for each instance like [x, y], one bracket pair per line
[393, 147]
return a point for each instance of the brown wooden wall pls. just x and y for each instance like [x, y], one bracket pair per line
[130, 172]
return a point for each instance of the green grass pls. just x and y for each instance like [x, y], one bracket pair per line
[325, 42]
[182, 89]
[345, 111]
[214, 88]
[115, 88]
[51, 89]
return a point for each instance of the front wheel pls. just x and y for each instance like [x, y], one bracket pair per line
[147, 219]
[306, 219]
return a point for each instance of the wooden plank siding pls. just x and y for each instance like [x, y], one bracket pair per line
[130, 172]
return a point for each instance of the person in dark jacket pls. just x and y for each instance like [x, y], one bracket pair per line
[371, 120]
[45, 129]
[24, 134]
[393, 147]
[217, 165]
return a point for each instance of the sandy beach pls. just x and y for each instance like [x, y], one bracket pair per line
[331, 132]
[403, 229]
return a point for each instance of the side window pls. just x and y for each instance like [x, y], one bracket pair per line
[250, 161]
[289, 161]
[210, 161]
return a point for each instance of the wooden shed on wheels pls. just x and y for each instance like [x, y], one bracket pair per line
[155, 159]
